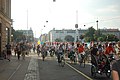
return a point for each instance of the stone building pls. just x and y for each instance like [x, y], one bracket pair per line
[29, 36]
[5, 23]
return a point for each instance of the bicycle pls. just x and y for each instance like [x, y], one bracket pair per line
[73, 57]
[61, 60]
[38, 52]
[82, 59]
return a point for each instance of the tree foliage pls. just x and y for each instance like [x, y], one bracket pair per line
[58, 40]
[69, 38]
[96, 35]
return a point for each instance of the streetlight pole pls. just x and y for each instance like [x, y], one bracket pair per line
[76, 26]
[54, 0]
[27, 26]
[97, 24]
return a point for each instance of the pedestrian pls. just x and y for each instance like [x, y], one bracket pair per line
[8, 48]
[23, 50]
[18, 51]
[116, 70]
[116, 65]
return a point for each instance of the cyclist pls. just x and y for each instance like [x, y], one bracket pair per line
[52, 50]
[23, 49]
[34, 47]
[116, 70]
[60, 52]
[44, 51]
[109, 51]
[38, 50]
[72, 53]
[94, 52]
[116, 64]
[80, 52]
[87, 52]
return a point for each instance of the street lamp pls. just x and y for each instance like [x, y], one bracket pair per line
[97, 24]
[54, 0]
[76, 26]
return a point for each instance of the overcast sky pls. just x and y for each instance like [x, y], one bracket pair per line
[63, 14]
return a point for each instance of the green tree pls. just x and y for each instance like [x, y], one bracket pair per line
[111, 37]
[69, 38]
[96, 35]
[89, 35]
[18, 36]
[58, 40]
[100, 39]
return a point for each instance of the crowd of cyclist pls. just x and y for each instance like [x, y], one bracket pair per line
[73, 51]
[76, 51]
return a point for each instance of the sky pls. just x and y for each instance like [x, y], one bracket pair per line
[64, 14]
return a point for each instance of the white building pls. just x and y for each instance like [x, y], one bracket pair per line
[60, 34]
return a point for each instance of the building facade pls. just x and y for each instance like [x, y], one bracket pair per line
[111, 31]
[54, 34]
[5, 23]
[29, 36]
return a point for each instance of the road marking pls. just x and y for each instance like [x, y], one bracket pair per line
[14, 72]
[79, 72]
[33, 70]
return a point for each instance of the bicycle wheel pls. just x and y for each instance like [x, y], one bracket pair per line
[62, 62]
[108, 74]
[82, 61]
[43, 57]
[93, 71]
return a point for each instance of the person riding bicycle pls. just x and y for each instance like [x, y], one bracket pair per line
[34, 47]
[110, 51]
[72, 53]
[52, 50]
[60, 52]
[80, 52]
[101, 59]
[94, 52]
[44, 51]
[116, 64]
[38, 50]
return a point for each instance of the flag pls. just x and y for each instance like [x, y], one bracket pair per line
[38, 42]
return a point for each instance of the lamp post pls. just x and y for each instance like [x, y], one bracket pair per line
[76, 27]
[54, 0]
[97, 24]
[27, 27]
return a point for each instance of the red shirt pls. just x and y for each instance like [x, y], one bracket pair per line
[80, 49]
[109, 49]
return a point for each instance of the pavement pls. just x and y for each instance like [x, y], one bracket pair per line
[19, 69]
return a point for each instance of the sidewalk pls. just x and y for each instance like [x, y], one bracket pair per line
[14, 69]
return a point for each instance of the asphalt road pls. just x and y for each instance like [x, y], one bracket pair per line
[87, 71]
[50, 70]
[47, 70]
